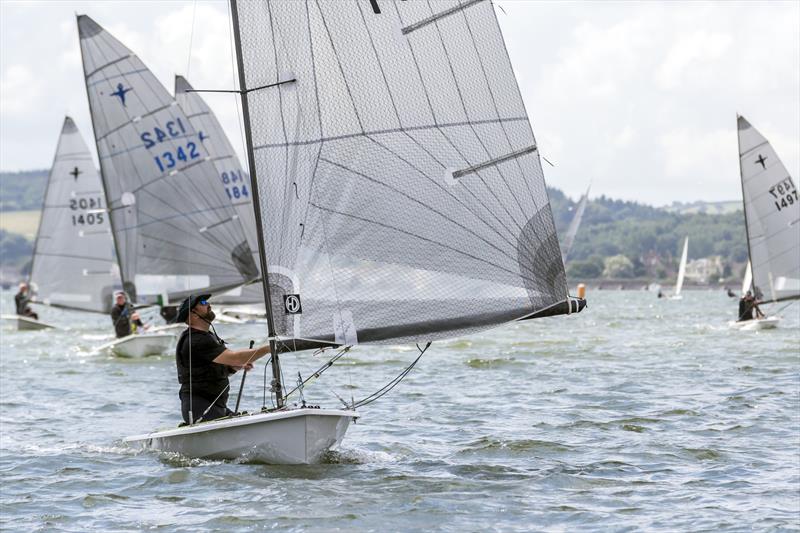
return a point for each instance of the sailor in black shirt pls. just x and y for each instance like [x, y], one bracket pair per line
[204, 363]
[125, 319]
[21, 300]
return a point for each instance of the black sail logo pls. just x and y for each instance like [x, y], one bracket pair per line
[291, 303]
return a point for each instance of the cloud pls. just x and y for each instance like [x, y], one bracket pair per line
[20, 91]
[638, 97]
[642, 97]
[689, 55]
[697, 154]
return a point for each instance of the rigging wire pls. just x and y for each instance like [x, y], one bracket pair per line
[264, 394]
[191, 40]
[393, 383]
[785, 306]
[319, 372]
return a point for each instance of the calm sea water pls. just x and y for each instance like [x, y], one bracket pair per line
[637, 414]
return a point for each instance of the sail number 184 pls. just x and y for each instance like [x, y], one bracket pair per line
[784, 193]
[230, 180]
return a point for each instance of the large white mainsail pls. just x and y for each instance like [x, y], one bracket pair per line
[400, 192]
[73, 257]
[232, 178]
[772, 217]
[175, 230]
[569, 238]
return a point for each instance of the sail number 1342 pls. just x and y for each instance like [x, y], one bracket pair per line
[784, 193]
[170, 158]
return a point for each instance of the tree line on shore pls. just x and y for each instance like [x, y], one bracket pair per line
[617, 239]
[620, 239]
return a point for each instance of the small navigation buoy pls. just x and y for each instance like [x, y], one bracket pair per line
[581, 290]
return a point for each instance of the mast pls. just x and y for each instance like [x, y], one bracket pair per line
[102, 175]
[744, 200]
[276, 365]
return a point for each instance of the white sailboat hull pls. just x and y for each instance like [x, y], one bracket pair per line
[245, 312]
[298, 436]
[141, 345]
[228, 319]
[167, 328]
[25, 323]
[770, 322]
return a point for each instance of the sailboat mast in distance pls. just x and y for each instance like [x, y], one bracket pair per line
[73, 261]
[772, 217]
[569, 238]
[175, 229]
[399, 187]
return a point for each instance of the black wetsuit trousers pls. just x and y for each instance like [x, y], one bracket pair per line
[199, 406]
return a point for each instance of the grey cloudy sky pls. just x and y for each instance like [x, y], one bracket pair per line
[638, 98]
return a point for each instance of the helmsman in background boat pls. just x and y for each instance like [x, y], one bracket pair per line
[126, 320]
[22, 299]
[202, 356]
[748, 308]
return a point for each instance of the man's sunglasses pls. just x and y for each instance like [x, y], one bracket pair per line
[202, 302]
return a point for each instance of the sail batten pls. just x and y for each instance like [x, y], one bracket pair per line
[384, 131]
[772, 209]
[401, 193]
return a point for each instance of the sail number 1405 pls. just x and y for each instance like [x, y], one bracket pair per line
[92, 211]
[784, 193]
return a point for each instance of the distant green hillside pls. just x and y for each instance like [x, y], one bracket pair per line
[15, 250]
[650, 238]
[709, 208]
[22, 191]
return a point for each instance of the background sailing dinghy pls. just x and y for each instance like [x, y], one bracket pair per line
[72, 265]
[758, 323]
[400, 196]
[26, 323]
[681, 271]
[772, 222]
[176, 232]
[141, 345]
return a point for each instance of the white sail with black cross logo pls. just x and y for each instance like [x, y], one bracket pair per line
[232, 177]
[73, 262]
[400, 188]
[772, 217]
[176, 231]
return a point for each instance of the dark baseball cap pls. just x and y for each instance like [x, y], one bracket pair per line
[188, 304]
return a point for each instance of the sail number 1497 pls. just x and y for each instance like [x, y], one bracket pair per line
[784, 193]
